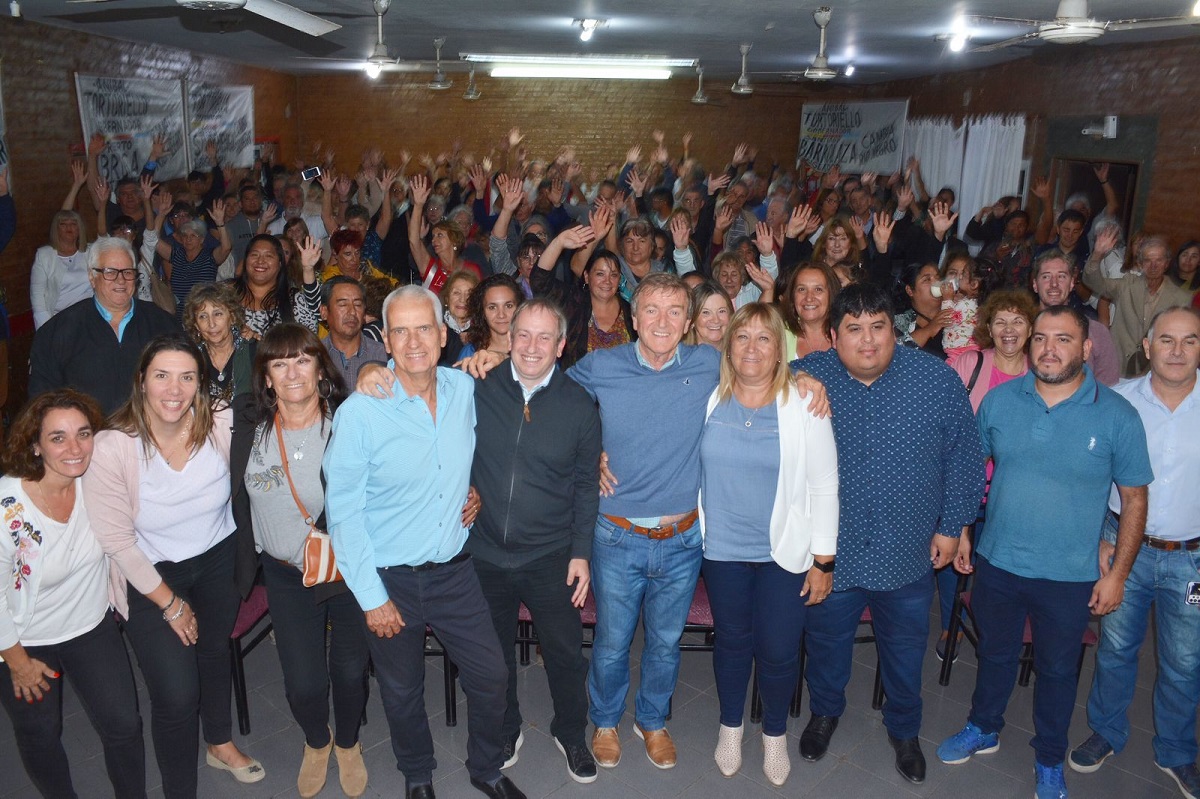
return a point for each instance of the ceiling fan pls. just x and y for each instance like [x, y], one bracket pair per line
[1072, 25]
[742, 85]
[274, 10]
[820, 69]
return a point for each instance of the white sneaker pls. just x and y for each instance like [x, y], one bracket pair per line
[776, 763]
[729, 750]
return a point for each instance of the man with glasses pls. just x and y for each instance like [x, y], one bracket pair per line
[94, 345]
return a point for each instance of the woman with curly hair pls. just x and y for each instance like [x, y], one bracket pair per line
[492, 304]
[213, 316]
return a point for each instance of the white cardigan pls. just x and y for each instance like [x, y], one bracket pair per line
[804, 518]
[44, 283]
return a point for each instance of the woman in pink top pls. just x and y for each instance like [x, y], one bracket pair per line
[158, 497]
[1002, 332]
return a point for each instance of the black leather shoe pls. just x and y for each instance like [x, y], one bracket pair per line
[421, 792]
[503, 789]
[814, 741]
[910, 762]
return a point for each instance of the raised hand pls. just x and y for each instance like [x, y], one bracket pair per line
[868, 179]
[658, 136]
[158, 147]
[681, 231]
[79, 174]
[913, 165]
[904, 198]
[479, 179]
[576, 237]
[1101, 171]
[637, 182]
[216, 213]
[511, 190]
[1040, 188]
[100, 190]
[860, 231]
[740, 154]
[327, 179]
[96, 144]
[310, 253]
[687, 140]
[162, 201]
[797, 223]
[514, 138]
[574, 170]
[724, 219]
[1106, 241]
[387, 179]
[717, 183]
[832, 177]
[660, 154]
[881, 233]
[148, 186]
[419, 187]
[269, 212]
[210, 150]
[557, 187]
[601, 220]
[633, 154]
[760, 277]
[941, 218]
[763, 239]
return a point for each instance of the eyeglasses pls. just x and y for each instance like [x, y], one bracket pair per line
[113, 274]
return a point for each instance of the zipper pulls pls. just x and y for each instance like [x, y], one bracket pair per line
[527, 419]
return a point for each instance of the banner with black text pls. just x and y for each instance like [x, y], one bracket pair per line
[858, 137]
[223, 115]
[129, 113]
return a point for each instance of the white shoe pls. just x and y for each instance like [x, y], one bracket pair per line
[729, 750]
[776, 763]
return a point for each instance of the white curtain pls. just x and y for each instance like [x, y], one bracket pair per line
[938, 143]
[992, 163]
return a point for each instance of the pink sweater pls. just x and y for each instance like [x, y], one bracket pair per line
[110, 492]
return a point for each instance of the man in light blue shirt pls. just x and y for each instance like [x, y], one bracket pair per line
[1165, 572]
[397, 473]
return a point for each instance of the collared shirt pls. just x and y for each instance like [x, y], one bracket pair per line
[651, 422]
[369, 351]
[1054, 467]
[396, 481]
[526, 392]
[672, 361]
[909, 465]
[107, 316]
[1173, 438]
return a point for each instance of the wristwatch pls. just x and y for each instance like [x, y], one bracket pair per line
[824, 567]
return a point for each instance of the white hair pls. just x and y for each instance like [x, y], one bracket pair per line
[106, 244]
[411, 292]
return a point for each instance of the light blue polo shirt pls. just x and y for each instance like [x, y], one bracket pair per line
[1054, 468]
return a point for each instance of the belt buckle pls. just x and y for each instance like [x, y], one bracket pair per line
[659, 533]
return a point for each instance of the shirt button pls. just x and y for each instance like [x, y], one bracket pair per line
[439, 496]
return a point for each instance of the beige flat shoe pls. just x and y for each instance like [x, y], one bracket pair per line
[251, 772]
[776, 763]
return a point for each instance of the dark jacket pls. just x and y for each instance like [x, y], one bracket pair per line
[536, 474]
[78, 349]
[245, 421]
[576, 302]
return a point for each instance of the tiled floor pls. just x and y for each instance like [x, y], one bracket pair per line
[860, 763]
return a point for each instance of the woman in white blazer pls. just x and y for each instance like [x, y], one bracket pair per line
[59, 277]
[769, 512]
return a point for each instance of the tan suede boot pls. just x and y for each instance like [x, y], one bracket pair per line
[352, 771]
[313, 769]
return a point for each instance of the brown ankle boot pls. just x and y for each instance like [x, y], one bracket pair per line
[352, 771]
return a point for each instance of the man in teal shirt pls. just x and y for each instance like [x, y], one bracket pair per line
[1059, 440]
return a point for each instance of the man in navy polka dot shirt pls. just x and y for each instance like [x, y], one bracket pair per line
[911, 474]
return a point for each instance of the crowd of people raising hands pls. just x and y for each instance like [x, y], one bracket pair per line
[197, 347]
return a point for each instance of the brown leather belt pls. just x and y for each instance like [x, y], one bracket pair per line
[660, 532]
[1164, 544]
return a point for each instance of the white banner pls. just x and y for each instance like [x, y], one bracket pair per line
[224, 115]
[856, 136]
[129, 113]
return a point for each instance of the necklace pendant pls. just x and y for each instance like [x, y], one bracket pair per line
[297, 456]
[749, 422]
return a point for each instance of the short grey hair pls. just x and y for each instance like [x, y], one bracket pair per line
[196, 226]
[1152, 241]
[661, 281]
[106, 244]
[411, 291]
[545, 304]
[1192, 312]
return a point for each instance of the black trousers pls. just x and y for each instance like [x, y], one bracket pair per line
[542, 587]
[187, 683]
[447, 599]
[98, 667]
[310, 666]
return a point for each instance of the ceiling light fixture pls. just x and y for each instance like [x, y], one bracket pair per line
[578, 71]
[849, 70]
[957, 42]
[659, 62]
[588, 27]
[373, 70]
[1196, 9]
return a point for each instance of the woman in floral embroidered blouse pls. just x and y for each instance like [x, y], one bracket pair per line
[54, 611]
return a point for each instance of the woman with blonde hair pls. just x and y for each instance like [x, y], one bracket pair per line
[59, 277]
[769, 514]
[158, 496]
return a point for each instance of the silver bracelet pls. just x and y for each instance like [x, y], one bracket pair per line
[178, 613]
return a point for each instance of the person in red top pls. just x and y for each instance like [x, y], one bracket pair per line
[447, 242]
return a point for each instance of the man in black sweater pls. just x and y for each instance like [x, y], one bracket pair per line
[536, 460]
[94, 345]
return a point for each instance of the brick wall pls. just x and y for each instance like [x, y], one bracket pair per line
[41, 113]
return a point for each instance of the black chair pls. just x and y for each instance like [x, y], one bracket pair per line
[251, 613]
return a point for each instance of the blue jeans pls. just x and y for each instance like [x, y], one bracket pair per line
[1160, 578]
[1058, 615]
[758, 615]
[901, 621]
[634, 576]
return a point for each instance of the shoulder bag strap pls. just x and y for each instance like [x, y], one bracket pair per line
[283, 456]
[970, 388]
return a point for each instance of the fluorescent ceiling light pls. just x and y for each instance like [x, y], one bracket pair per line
[957, 42]
[579, 71]
[656, 62]
[373, 70]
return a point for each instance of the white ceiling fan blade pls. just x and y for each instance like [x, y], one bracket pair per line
[91, 1]
[1006, 20]
[291, 16]
[1145, 24]
[987, 48]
